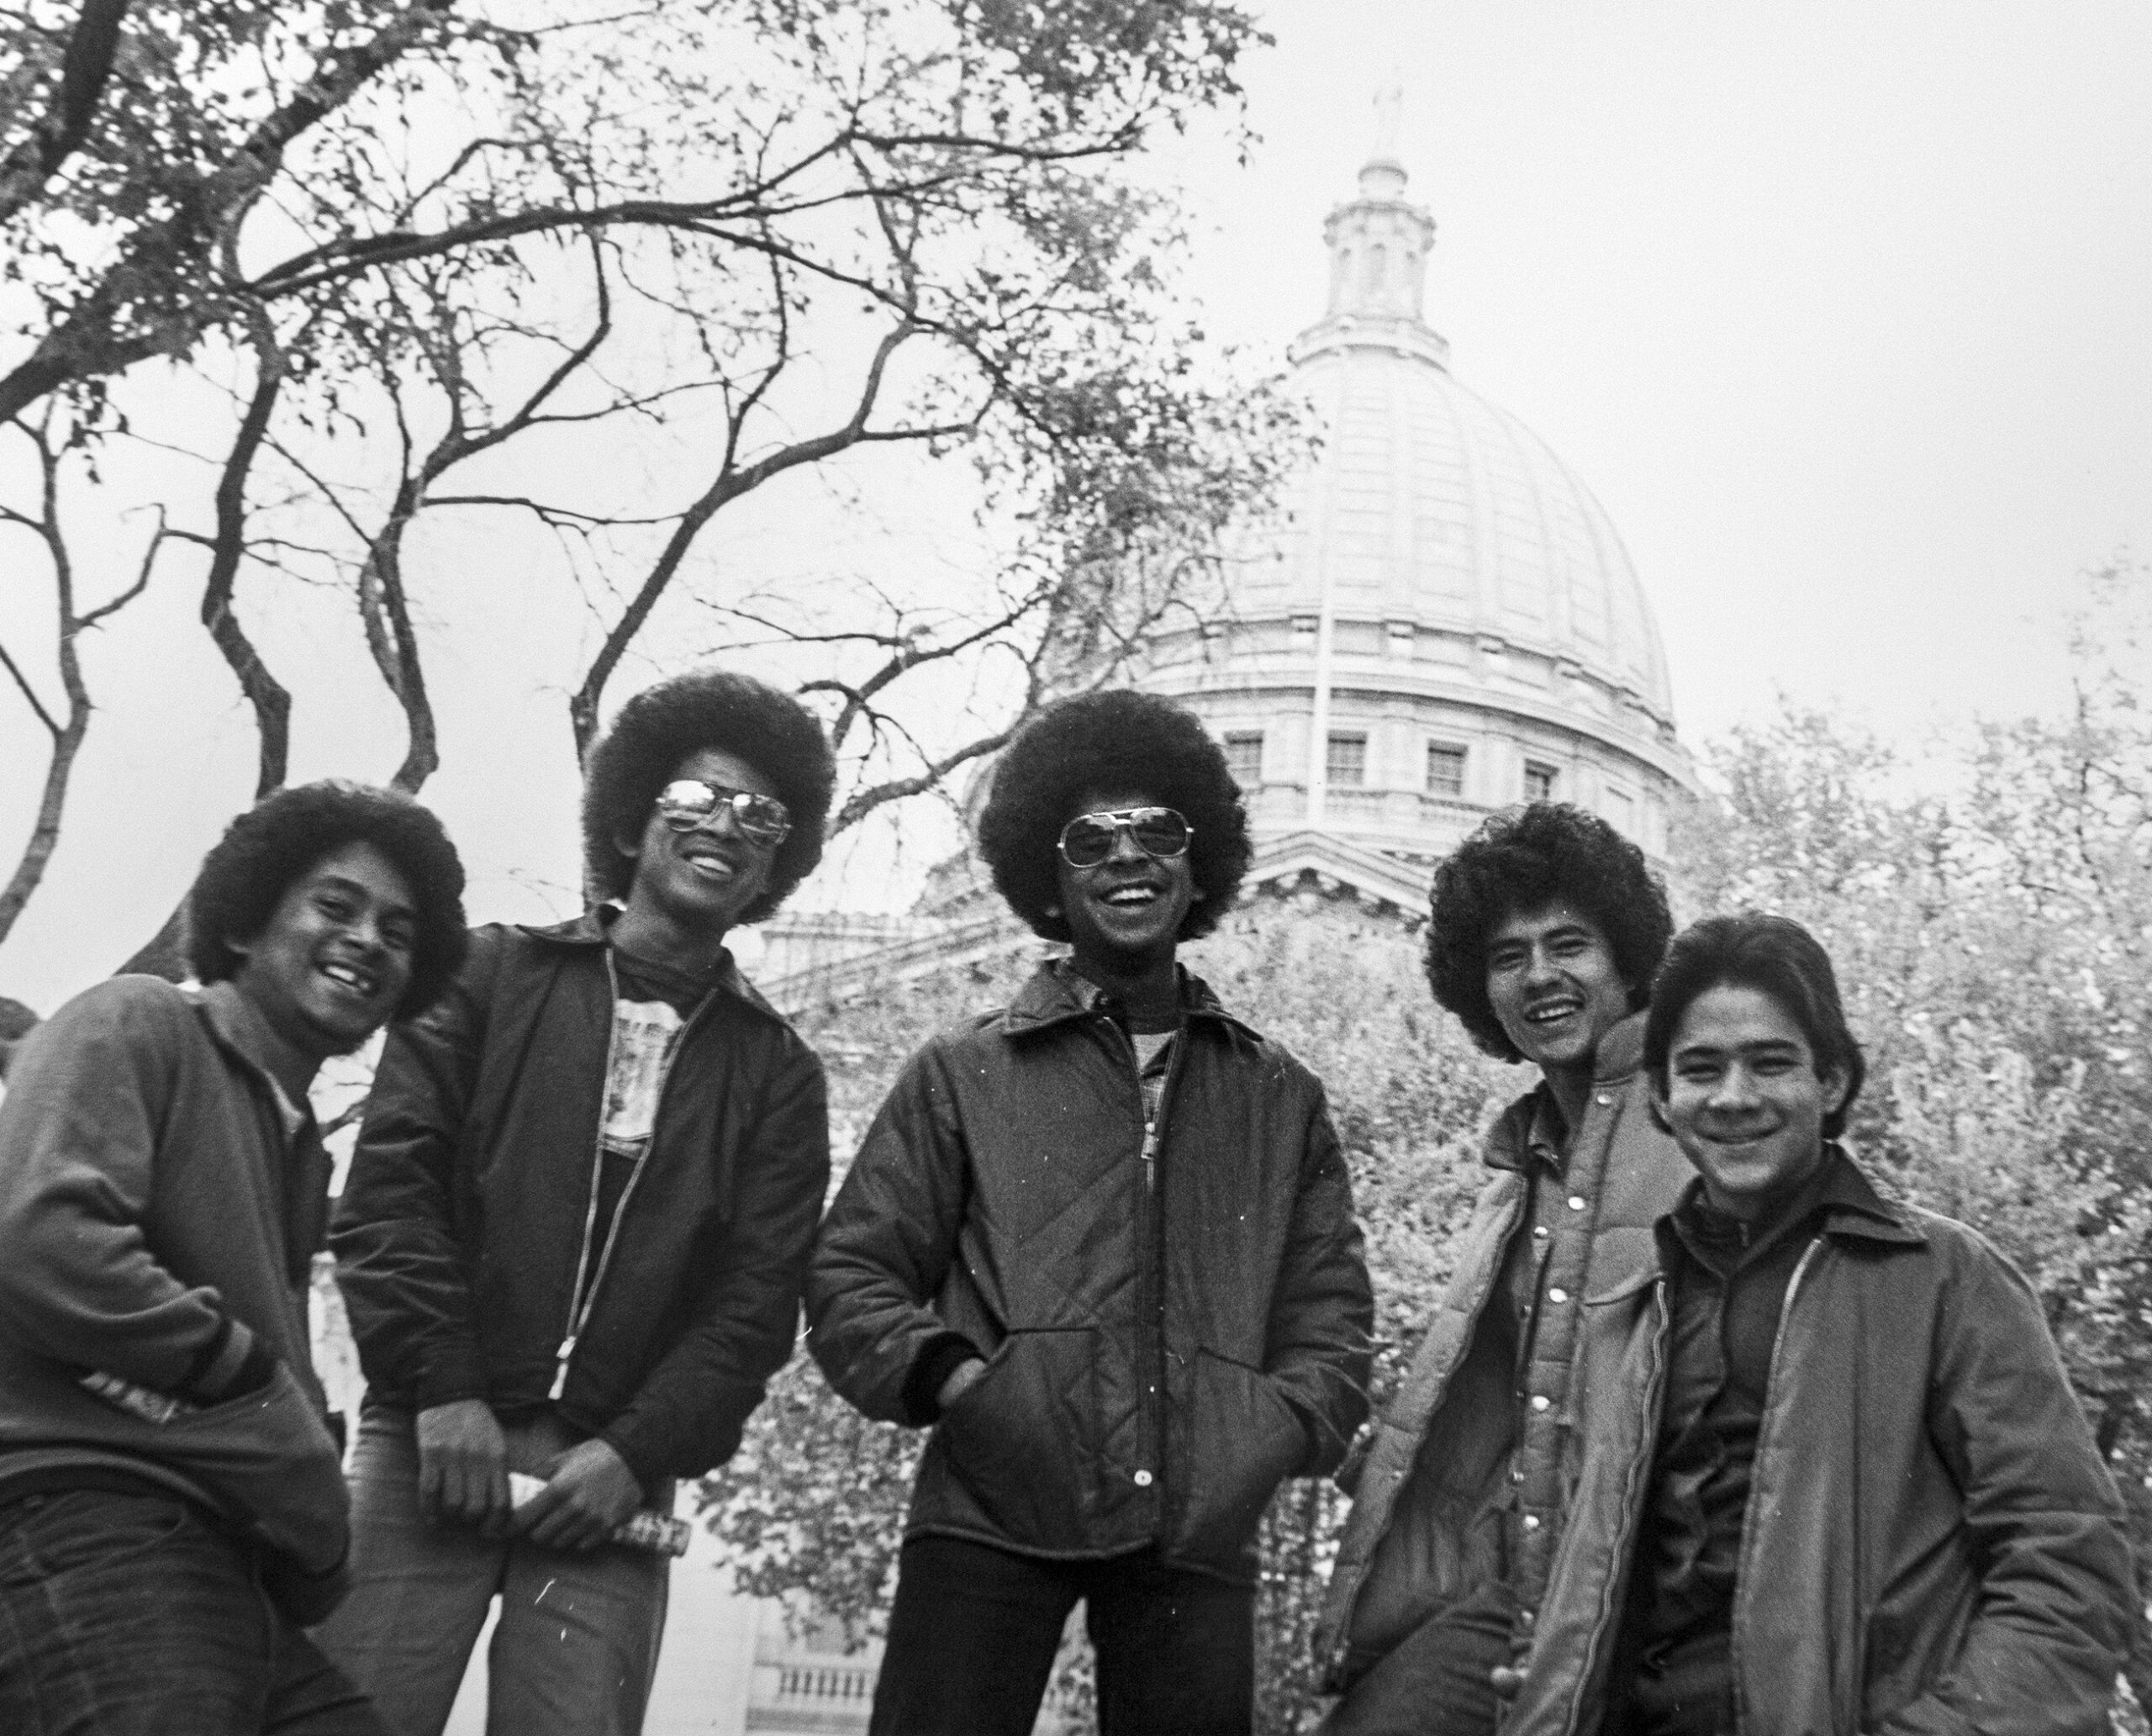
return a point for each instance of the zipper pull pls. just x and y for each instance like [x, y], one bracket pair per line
[561, 1369]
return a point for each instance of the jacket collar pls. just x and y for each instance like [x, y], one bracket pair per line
[1533, 1124]
[237, 1028]
[1058, 993]
[592, 929]
[1851, 1208]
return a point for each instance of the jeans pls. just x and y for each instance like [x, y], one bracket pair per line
[974, 1630]
[130, 1615]
[1438, 1679]
[576, 1643]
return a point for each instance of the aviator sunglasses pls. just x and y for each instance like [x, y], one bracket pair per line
[688, 803]
[1160, 832]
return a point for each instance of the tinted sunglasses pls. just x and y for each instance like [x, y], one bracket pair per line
[687, 803]
[1088, 839]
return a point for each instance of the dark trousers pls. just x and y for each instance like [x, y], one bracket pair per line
[1438, 1681]
[130, 1615]
[975, 1631]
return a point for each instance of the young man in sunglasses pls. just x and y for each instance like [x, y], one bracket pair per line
[1103, 1240]
[571, 1242]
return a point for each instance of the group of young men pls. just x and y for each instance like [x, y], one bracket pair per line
[1708, 1436]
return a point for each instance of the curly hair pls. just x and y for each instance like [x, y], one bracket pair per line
[664, 725]
[1520, 862]
[1118, 740]
[244, 878]
[1775, 955]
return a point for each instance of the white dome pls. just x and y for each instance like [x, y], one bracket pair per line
[1447, 623]
[1430, 505]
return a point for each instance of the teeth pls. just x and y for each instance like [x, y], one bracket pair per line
[1131, 895]
[348, 978]
[1546, 1015]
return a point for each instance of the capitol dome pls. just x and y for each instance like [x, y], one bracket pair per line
[1446, 623]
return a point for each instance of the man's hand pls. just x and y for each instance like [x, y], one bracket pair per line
[960, 1380]
[463, 1465]
[589, 1496]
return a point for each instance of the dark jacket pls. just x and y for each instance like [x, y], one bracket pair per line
[158, 1224]
[459, 1233]
[1157, 1359]
[1468, 1478]
[1932, 1543]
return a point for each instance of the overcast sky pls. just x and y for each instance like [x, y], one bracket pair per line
[1844, 312]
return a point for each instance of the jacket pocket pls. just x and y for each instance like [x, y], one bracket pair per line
[1022, 1438]
[1237, 1439]
[268, 1458]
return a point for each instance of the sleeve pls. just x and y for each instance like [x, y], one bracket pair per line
[885, 1249]
[1321, 1350]
[398, 1262]
[79, 1282]
[687, 1416]
[2056, 1601]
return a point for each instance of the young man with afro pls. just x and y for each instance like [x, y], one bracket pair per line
[571, 1242]
[1102, 1240]
[166, 1459]
[1545, 928]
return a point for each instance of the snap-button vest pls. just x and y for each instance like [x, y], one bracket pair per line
[1554, 1269]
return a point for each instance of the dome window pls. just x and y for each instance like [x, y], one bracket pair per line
[1347, 763]
[1244, 756]
[1540, 781]
[1445, 768]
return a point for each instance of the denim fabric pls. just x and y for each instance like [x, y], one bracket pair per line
[576, 1643]
[974, 1630]
[1438, 1681]
[129, 1615]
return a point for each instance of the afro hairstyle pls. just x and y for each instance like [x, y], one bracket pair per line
[664, 725]
[1519, 862]
[1775, 956]
[1118, 740]
[244, 878]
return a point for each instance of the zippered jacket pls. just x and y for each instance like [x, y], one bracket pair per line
[1469, 1476]
[157, 1226]
[460, 1232]
[1932, 1543]
[1164, 1342]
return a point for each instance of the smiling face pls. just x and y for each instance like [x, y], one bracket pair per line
[1744, 1099]
[1554, 986]
[699, 882]
[1126, 912]
[334, 959]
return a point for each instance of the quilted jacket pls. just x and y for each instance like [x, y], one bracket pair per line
[1932, 1543]
[1158, 1356]
[459, 1232]
[1469, 1472]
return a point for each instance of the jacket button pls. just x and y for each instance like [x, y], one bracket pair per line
[1541, 1230]
[1576, 1202]
[1142, 1480]
[1604, 1097]
[1557, 1295]
[1540, 1401]
[1516, 1474]
[1531, 1521]
[1524, 1617]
